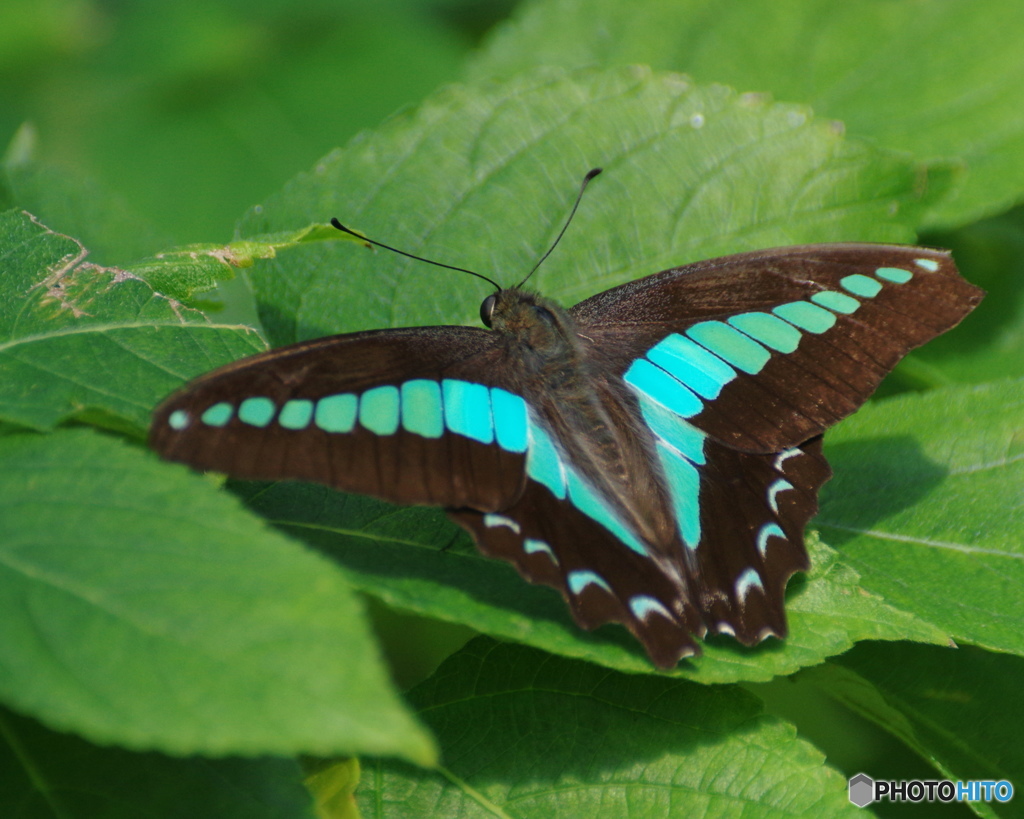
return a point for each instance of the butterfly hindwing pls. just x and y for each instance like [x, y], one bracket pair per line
[556, 544]
[754, 509]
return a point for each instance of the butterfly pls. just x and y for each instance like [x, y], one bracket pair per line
[653, 452]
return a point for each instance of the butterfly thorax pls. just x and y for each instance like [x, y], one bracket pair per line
[581, 407]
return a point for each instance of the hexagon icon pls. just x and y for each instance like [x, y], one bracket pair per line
[862, 790]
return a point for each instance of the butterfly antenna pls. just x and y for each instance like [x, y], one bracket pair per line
[579, 197]
[344, 229]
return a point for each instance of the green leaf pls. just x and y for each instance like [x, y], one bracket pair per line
[936, 79]
[46, 774]
[529, 735]
[140, 608]
[95, 343]
[483, 177]
[990, 343]
[416, 560]
[185, 271]
[959, 709]
[926, 505]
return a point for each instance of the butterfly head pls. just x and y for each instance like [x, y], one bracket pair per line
[526, 314]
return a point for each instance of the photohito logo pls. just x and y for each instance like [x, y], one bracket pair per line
[864, 790]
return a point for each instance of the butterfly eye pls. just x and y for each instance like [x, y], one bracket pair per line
[487, 309]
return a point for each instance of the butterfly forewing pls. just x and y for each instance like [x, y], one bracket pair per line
[410, 416]
[776, 346]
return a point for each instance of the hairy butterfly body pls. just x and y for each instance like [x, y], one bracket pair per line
[654, 452]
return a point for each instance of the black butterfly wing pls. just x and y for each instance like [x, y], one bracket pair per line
[732, 580]
[433, 416]
[753, 511]
[555, 543]
[405, 415]
[737, 365]
[776, 346]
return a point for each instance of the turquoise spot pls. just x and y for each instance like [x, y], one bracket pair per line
[701, 371]
[378, 410]
[642, 604]
[767, 531]
[257, 411]
[218, 415]
[296, 414]
[543, 463]
[780, 485]
[927, 264]
[179, 419]
[585, 499]
[653, 381]
[532, 547]
[684, 486]
[861, 285]
[839, 302]
[422, 412]
[683, 437]
[746, 581]
[769, 330]
[898, 274]
[509, 419]
[337, 413]
[467, 410]
[729, 343]
[806, 316]
[579, 580]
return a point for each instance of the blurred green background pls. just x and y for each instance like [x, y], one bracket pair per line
[187, 113]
